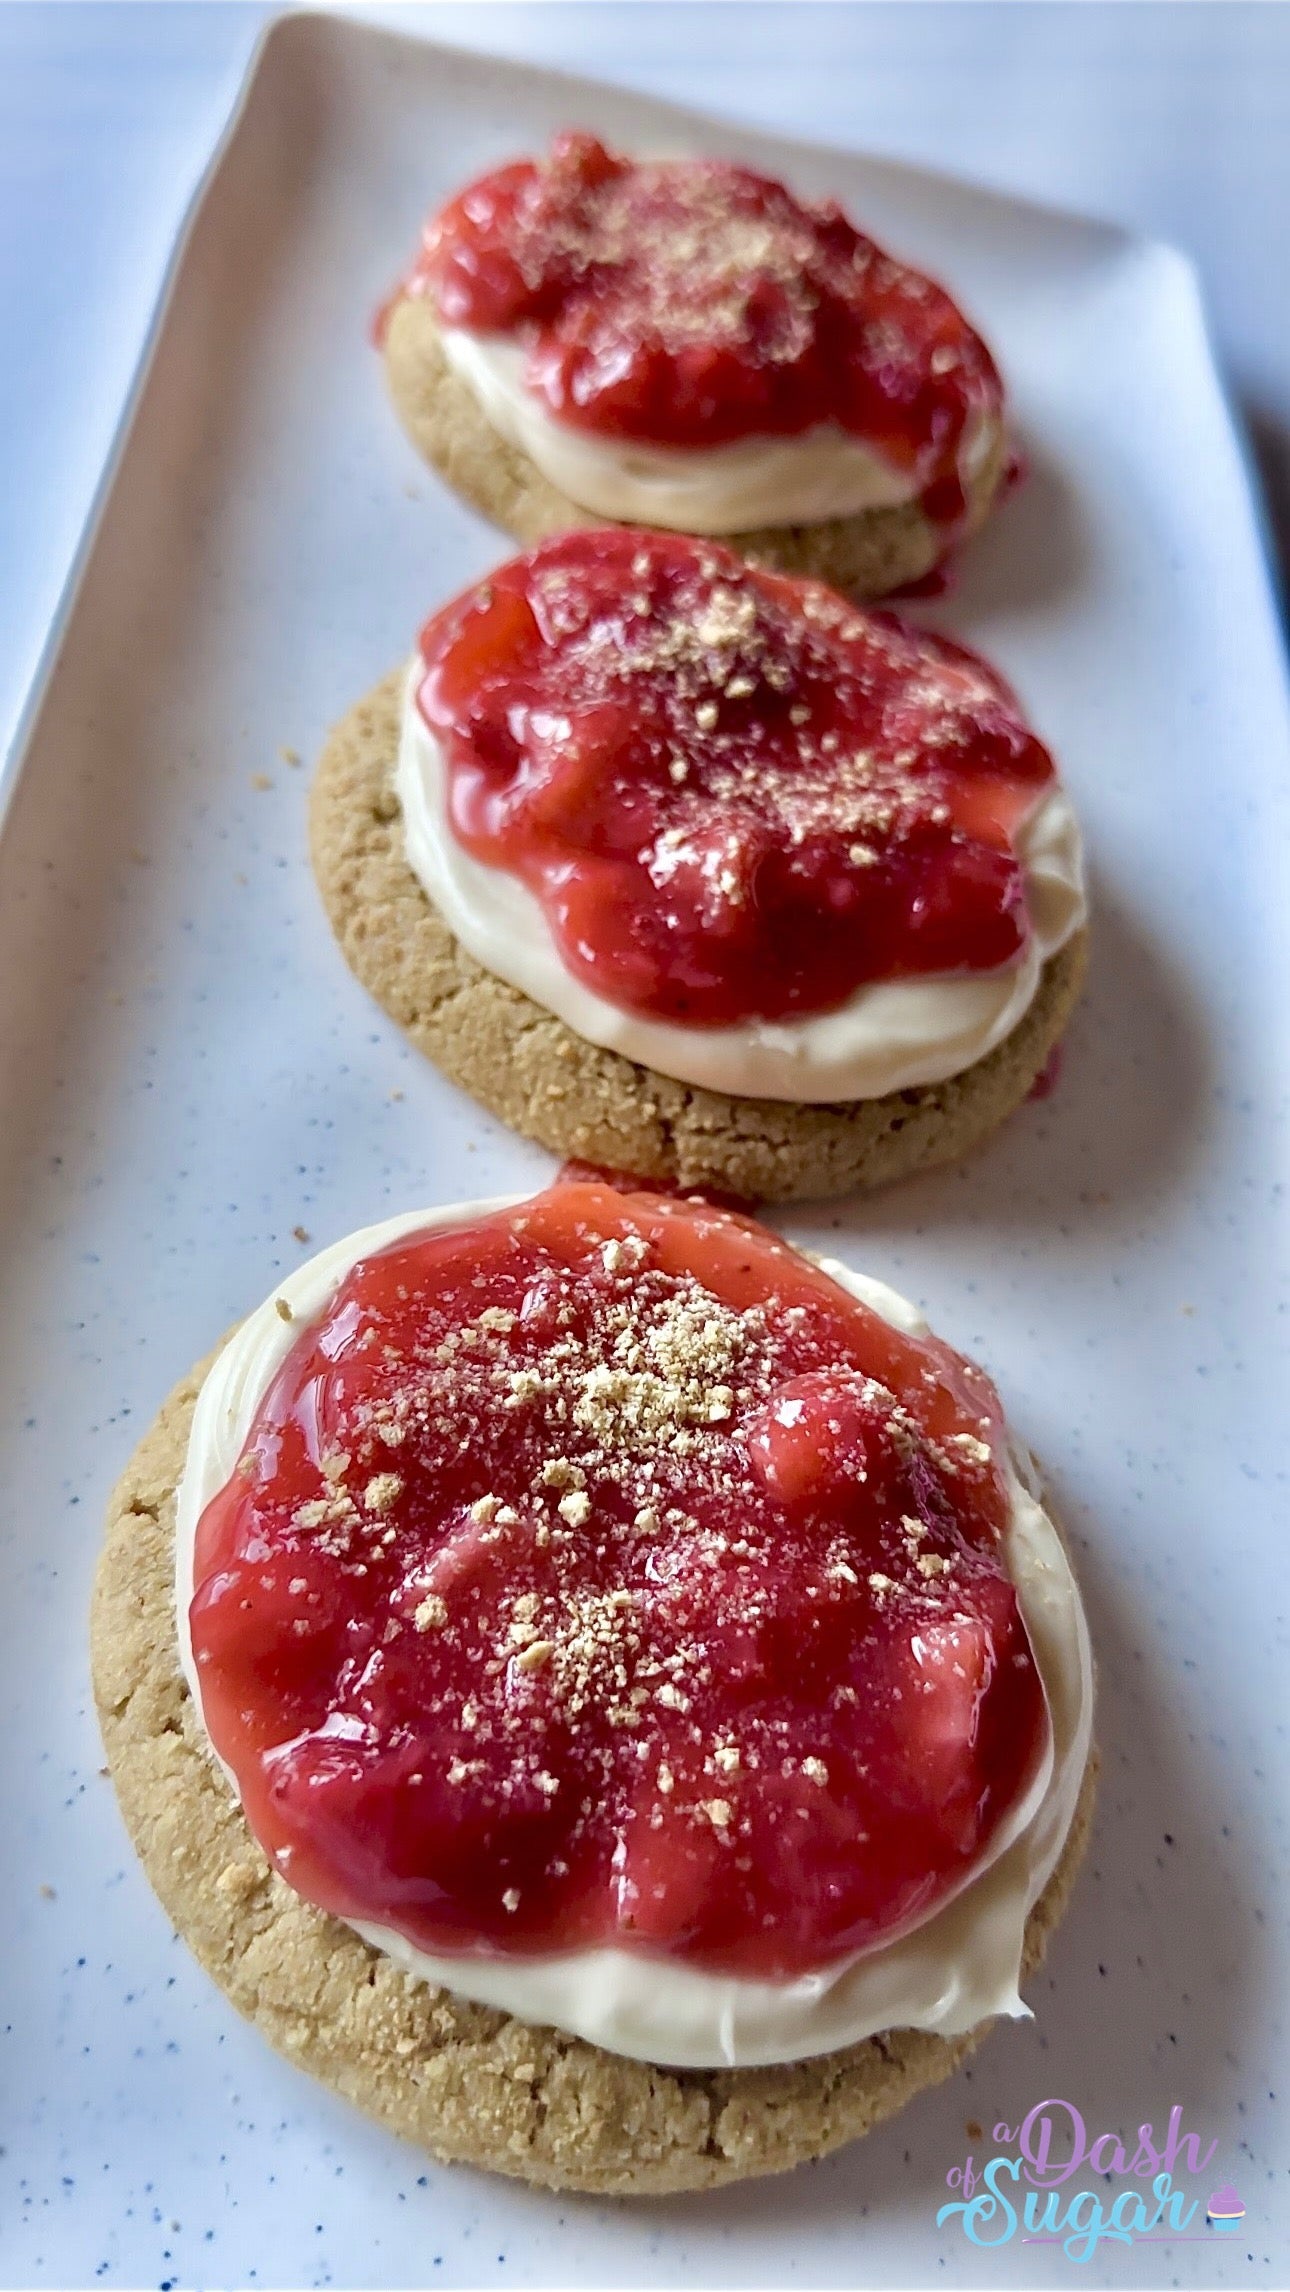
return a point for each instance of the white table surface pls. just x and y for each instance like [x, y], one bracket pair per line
[1174, 118]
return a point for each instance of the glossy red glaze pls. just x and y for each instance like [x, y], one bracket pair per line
[578, 1173]
[695, 302]
[1049, 1075]
[735, 795]
[599, 1571]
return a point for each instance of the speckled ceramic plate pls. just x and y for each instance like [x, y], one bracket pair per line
[195, 1089]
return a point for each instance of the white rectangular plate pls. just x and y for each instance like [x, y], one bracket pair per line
[191, 1073]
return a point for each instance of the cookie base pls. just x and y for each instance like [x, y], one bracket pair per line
[867, 555]
[530, 1069]
[467, 2083]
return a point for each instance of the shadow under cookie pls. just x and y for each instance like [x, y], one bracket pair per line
[528, 1068]
[468, 2083]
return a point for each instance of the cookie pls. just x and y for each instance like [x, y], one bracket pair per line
[535, 1074]
[469, 2084]
[867, 555]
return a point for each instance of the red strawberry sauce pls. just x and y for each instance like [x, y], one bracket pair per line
[735, 795]
[693, 302]
[598, 1571]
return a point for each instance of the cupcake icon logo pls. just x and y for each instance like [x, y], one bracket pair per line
[1225, 2212]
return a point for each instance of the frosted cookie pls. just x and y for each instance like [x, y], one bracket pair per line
[683, 343]
[700, 871]
[598, 1688]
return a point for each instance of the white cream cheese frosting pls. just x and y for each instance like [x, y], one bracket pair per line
[824, 472]
[959, 1968]
[889, 1035]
